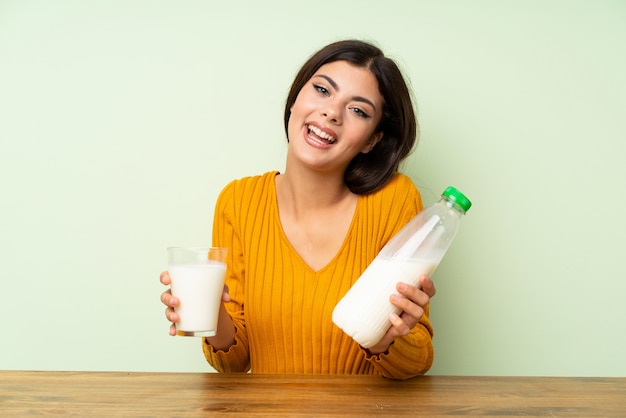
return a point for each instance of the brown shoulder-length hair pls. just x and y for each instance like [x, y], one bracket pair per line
[368, 172]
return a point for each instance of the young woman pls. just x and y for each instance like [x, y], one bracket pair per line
[299, 239]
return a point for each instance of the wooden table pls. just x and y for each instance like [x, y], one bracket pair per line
[114, 394]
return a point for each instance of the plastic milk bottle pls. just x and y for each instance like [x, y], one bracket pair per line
[363, 313]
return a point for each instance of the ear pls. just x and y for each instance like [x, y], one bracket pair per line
[375, 138]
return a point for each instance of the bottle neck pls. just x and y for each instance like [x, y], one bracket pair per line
[452, 205]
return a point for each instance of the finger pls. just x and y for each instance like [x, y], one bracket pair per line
[171, 315]
[165, 297]
[428, 286]
[165, 278]
[168, 300]
[399, 325]
[173, 330]
[418, 296]
[411, 312]
[225, 295]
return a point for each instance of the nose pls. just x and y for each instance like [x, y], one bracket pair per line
[332, 113]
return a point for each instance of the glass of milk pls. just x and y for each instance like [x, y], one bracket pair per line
[197, 275]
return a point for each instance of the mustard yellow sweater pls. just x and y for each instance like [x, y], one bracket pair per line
[282, 309]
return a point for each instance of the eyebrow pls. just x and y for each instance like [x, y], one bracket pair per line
[336, 87]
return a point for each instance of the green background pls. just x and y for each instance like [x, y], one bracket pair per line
[120, 122]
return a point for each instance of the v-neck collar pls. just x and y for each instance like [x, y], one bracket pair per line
[287, 243]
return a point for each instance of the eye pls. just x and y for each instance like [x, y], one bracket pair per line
[360, 112]
[320, 89]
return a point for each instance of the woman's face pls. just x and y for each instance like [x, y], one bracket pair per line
[335, 116]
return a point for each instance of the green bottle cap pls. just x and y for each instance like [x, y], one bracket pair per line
[457, 197]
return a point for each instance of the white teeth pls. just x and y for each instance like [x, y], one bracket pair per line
[317, 131]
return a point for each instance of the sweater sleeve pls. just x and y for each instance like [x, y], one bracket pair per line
[412, 354]
[408, 356]
[227, 234]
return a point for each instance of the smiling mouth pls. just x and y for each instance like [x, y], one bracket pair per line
[321, 134]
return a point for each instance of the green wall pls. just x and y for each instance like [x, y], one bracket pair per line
[120, 122]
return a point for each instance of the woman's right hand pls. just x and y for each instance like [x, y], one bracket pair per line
[170, 301]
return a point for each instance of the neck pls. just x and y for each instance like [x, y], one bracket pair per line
[305, 191]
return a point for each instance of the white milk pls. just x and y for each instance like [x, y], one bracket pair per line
[199, 288]
[363, 313]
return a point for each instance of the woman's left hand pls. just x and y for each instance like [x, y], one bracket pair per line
[412, 302]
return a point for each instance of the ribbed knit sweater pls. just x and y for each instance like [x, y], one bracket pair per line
[282, 309]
